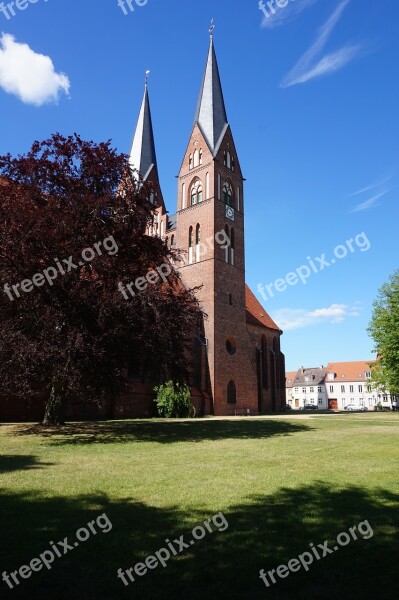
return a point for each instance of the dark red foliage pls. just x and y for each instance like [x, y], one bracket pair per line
[80, 333]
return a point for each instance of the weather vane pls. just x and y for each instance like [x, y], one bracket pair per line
[147, 74]
[212, 28]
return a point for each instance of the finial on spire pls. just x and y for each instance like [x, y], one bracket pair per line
[212, 28]
[147, 74]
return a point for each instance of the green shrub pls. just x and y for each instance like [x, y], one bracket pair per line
[174, 401]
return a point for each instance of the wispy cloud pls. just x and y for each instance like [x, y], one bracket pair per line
[369, 203]
[285, 15]
[307, 69]
[298, 318]
[370, 187]
[28, 75]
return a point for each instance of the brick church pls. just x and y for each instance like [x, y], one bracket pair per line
[237, 364]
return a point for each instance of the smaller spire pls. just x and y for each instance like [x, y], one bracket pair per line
[212, 29]
[142, 154]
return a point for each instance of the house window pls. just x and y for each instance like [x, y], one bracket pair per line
[296, 390]
[343, 389]
[368, 374]
[227, 194]
[303, 390]
[319, 389]
[311, 390]
[331, 388]
[360, 389]
[351, 389]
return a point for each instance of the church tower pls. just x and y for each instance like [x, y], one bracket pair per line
[210, 231]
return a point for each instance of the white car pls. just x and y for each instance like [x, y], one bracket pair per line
[353, 407]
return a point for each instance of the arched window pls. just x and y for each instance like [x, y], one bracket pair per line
[231, 393]
[191, 161]
[190, 246]
[225, 158]
[197, 243]
[200, 156]
[207, 186]
[227, 194]
[227, 249]
[196, 158]
[232, 247]
[228, 160]
[233, 164]
[196, 192]
[172, 240]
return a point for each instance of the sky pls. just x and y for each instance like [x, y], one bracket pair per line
[312, 96]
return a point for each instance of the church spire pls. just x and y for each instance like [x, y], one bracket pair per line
[142, 155]
[211, 112]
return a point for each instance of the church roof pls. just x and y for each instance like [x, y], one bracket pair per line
[211, 111]
[142, 155]
[256, 314]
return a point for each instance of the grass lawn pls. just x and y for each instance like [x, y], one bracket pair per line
[281, 483]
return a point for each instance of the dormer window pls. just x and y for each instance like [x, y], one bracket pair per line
[331, 376]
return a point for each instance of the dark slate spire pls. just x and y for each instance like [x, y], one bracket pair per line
[142, 154]
[211, 112]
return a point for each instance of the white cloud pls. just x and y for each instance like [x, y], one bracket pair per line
[306, 68]
[287, 14]
[28, 75]
[297, 318]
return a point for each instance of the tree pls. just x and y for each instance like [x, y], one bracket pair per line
[384, 329]
[72, 232]
[174, 401]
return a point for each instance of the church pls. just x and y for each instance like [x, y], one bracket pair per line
[237, 364]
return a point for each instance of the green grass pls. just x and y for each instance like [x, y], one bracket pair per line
[281, 482]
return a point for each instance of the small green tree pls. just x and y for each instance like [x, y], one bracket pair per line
[384, 329]
[174, 401]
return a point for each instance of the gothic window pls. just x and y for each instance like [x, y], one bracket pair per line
[227, 194]
[233, 164]
[232, 247]
[190, 246]
[172, 240]
[225, 158]
[265, 382]
[227, 249]
[231, 393]
[197, 243]
[200, 156]
[196, 192]
[196, 158]
[191, 161]
[228, 160]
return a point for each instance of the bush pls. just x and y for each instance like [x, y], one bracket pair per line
[174, 401]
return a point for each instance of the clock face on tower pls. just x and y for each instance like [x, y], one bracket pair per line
[230, 212]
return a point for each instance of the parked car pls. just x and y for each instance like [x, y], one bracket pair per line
[356, 407]
[309, 407]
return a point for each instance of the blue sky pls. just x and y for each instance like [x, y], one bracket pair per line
[312, 96]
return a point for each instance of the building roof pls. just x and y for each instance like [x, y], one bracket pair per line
[256, 314]
[349, 371]
[211, 111]
[142, 155]
[310, 376]
[289, 378]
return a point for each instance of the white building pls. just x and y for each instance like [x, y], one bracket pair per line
[335, 386]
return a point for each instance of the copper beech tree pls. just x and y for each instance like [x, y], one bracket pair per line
[72, 229]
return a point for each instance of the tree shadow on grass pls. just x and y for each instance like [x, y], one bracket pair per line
[263, 532]
[163, 432]
[20, 462]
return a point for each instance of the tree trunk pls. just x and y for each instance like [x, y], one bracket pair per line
[54, 414]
